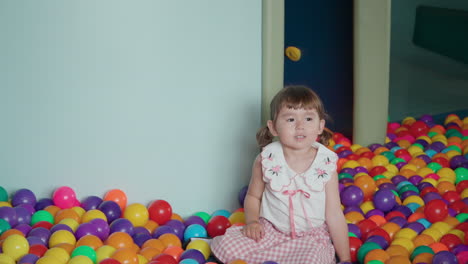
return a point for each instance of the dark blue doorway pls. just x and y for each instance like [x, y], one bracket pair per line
[323, 31]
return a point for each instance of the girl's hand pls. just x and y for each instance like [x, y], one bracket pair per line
[253, 230]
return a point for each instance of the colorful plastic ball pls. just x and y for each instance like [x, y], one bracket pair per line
[117, 196]
[61, 236]
[85, 251]
[43, 203]
[84, 230]
[126, 256]
[164, 229]
[384, 200]
[40, 232]
[164, 258]
[364, 249]
[119, 240]
[354, 245]
[140, 238]
[64, 197]
[200, 245]
[81, 260]
[109, 261]
[237, 261]
[436, 210]
[222, 212]
[137, 214]
[15, 246]
[462, 257]
[111, 209]
[23, 196]
[177, 226]
[450, 240]
[8, 214]
[91, 202]
[217, 226]
[237, 218]
[193, 219]
[91, 241]
[160, 211]
[194, 230]
[352, 196]
[379, 240]
[104, 252]
[121, 225]
[28, 258]
[193, 254]
[203, 215]
[101, 227]
[445, 257]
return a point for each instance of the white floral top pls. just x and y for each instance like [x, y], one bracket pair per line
[295, 202]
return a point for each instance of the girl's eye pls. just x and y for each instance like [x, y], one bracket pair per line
[308, 118]
[290, 120]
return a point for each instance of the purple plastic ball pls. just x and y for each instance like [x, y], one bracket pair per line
[121, 225]
[43, 203]
[40, 232]
[405, 210]
[91, 203]
[23, 196]
[423, 185]
[34, 240]
[141, 238]
[373, 147]
[8, 214]
[177, 226]
[374, 212]
[58, 227]
[241, 195]
[194, 219]
[384, 200]
[387, 185]
[352, 208]
[397, 179]
[351, 196]
[361, 170]
[111, 209]
[164, 229]
[379, 240]
[407, 194]
[350, 171]
[416, 226]
[102, 228]
[444, 257]
[24, 228]
[431, 196]
[28, 258]
[398, 220]
[415, 179]
[193, 254]
[23, 216]
[85, 229]
[354, 229]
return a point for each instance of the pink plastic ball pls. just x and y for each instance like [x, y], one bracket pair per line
[64, 197]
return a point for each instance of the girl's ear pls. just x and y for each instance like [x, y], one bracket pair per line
[271, 127]
[322, 125]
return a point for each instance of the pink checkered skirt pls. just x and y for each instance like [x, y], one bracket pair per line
[312, 247]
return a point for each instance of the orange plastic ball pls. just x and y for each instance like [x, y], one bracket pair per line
[125, 256]
[119, 240]
[117, 196]
[91, 241]
[170, 240]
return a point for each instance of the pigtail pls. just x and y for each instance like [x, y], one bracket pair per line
[264, 137]
[325, 137]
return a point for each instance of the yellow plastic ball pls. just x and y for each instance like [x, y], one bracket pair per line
[61, 236]
[424, 171]
[104, 252]
[389, 173]
[430, 180]
[93, 214]
[452, 153]
[72, 223]
[367, 206]
[432, 232]
[49, 260]
[15, 246]
[80, 260]
[5, 259]
[355, 147]
[137, 214]
[60, 253]
[201, 246]
[413, 199]
[237, 218]
[446, 172]
[351, 164]
[460, 234]
[79, 210]
[380, 160]
[3, 203]
[464, 193]
[406, 233]
[404, 242]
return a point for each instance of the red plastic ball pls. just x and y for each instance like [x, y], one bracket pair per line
[419, 128]
[458, 206]
[354, 245]
[427, 190]
[368, 154]
[450, 240]
[392, 214]
[164, 258]
[377, 170]
[443, 162]
[461, 186]
[160, 211]
[365, 226]
[353, 156]
[436, 210]
[217, 226]
[109, 261]
[451, 196]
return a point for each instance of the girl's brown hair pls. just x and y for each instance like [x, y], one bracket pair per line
[295, 97]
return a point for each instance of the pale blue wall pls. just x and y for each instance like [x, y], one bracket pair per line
[422, 81]
[158, 98]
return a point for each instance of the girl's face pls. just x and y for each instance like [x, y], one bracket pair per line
[297, 128]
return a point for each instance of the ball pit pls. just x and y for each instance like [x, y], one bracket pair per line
[405, 201]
